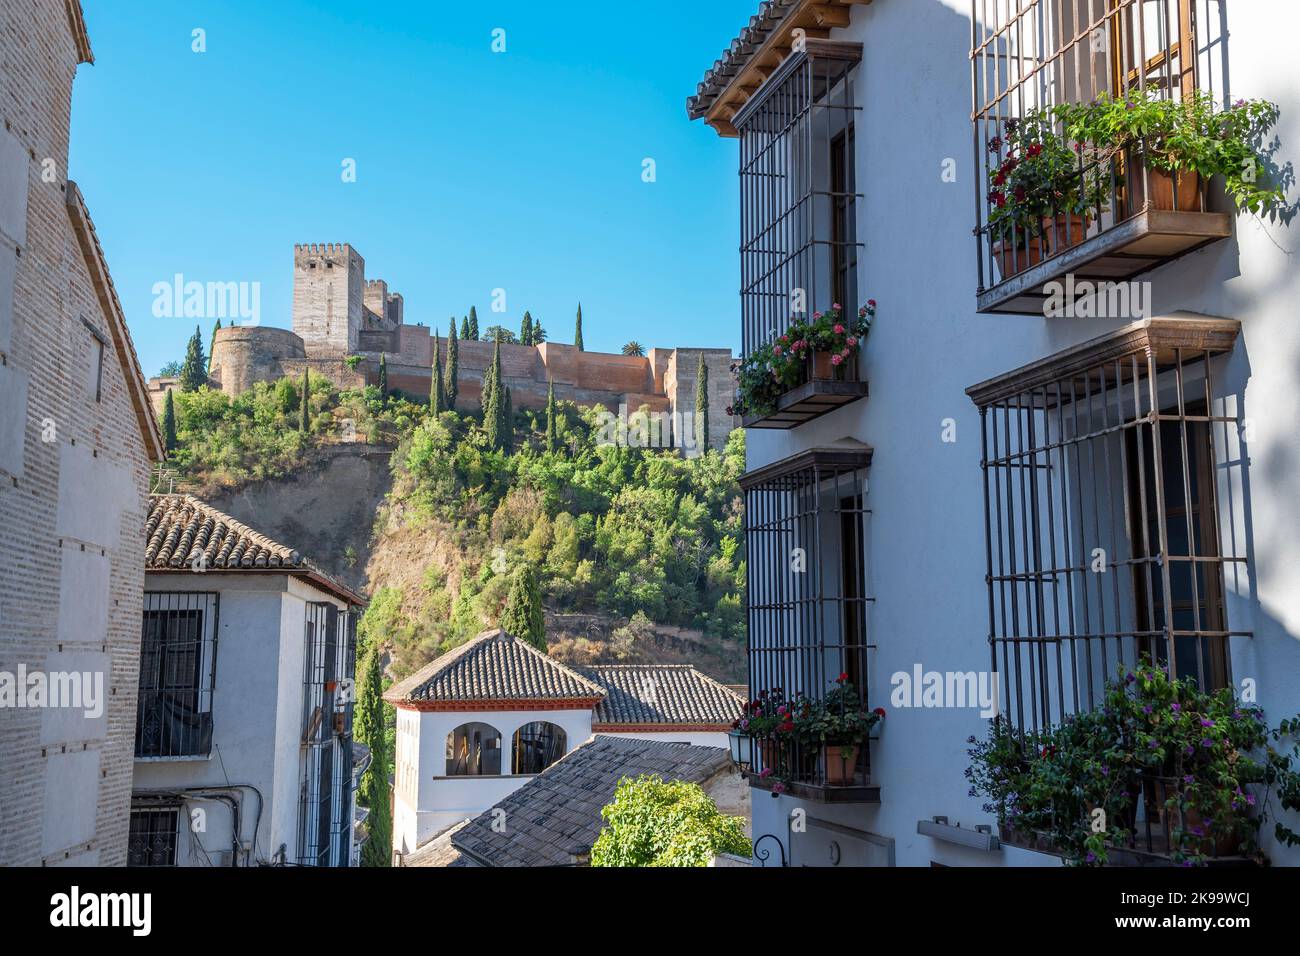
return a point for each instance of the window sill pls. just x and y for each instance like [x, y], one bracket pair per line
[1125, 250]
[820, 793]
[806, 402]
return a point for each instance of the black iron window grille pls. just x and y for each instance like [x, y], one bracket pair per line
[1112, 505]
[1029, 56]
[178, 651]
[153, 836]
[798, 192]
[325, 811]
[806, 542]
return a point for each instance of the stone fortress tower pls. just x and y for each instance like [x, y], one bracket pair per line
[342, 324]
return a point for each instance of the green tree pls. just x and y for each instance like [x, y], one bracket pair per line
[550, 415]
[304, 403]
[169, 422]
[435, 379]
[170, 370]
[702, 406]
[194, 370]
[539, 332]
[653, 822]
[577, 331]
[212, 347]
[508, 424]
[526, 329]
[523, 616]
[464, 327]
[383, 374]
[494, 405]
[499, 333]
[473, 322]
[634, 348]
[369, 728]
[451, 381]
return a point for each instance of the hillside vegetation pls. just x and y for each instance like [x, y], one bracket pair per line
[638, 540]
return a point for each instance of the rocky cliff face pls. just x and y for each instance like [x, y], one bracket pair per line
[326, 510]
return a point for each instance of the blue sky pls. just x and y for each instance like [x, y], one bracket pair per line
[475, 170]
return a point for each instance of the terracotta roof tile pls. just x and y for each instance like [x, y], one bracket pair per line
[659, 694]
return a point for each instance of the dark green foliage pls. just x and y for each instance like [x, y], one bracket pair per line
[169, 422]
[369, 728]
[526, 329]
[383, 373]
[634, 348]
[499, 333]
[212, 345]
[508, 424]
[522, 616]
[464, 327]
[170, 370]
[451, 381]
[194, 370]
[702, 406]
[494, 403]
[473, 322]
[550, 415]
[435, 383]
[577, 331]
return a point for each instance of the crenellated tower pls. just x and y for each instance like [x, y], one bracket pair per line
[328, 296]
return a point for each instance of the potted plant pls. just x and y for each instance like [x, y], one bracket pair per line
[769, 721]
[1170, 149]
[1041, 194]
[836, 727]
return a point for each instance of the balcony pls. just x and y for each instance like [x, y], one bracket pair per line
[806, 532]
[814, 397]
[1057, 213]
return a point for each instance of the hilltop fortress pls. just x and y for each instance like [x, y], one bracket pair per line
[344, 323]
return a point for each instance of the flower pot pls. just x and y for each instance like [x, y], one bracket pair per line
[768, 749]
[840, 761]
[1147, 183]
[1159, 790]
[1059, 233]
[824, 368]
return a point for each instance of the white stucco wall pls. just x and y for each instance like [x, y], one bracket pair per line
[256, 714]
[693, 737]
[926, 532]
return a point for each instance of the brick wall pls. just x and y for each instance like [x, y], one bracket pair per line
[72, 482]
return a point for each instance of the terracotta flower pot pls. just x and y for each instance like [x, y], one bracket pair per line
[840, 762]
[1143, 177]
[1159, 790]
[1059, 233]
[825, 370]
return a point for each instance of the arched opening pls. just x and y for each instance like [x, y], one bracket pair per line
[537, 746]
[474, 749]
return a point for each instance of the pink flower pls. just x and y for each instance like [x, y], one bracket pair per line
[839, 329]
[817, 315]
[853, 340]
[836, 359]
[836, 306]
[872, 303]
[776, 350]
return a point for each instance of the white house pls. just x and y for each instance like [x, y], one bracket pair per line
[479, 722]
[1041, 484]
[243, 744]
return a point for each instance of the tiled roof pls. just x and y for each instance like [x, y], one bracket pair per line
[183, 533]
[736, 56]
[662, 694]
[494, 667]
[556, 815]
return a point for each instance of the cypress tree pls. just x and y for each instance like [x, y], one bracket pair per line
[194, 371]
[550, 416]
[464, 327]
[304, 403]
[702, 406]
[451, 381]
[526, 330]
[577, 332]
[212, 347]
[435, 378]
[368, 727]
[169, 422]
[383, 374]
[473, 323]
[522, 617]
[493, 409]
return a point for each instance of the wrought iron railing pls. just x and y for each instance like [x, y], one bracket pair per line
[325, 805]
[178, 650]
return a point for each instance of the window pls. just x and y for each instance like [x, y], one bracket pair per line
[474, 749]
[537, 746]
[806, 540]
[798, 250]
[177, 666]
[95, 363]
[154, 831]
[325, 805]
[1107, 543]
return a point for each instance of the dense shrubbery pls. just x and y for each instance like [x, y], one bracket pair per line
[653, 822]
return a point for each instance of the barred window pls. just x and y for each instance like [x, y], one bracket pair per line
[325, 804]
[1111, 491]
[153, 836]
[177, 668]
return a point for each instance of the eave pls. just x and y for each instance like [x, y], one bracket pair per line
[747, 63]
[495, 706]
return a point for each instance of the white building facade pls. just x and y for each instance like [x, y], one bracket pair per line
[244, 751]
[1025, 492]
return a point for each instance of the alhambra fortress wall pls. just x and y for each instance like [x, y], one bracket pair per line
[343, 324]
